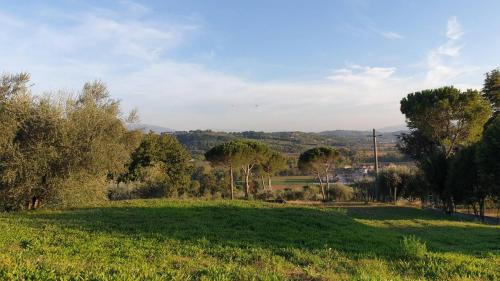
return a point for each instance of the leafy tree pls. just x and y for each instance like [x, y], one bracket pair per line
[441, 121]
[320, 161]
[364, 188]
[488, 158]
[249, 154]
[463, 180]
[162, 161]
[243, 153]
[416, 188]
[393, 180]
[446, 117]
[273, 164]
[491, 88]
[225, 155]
[58, 150]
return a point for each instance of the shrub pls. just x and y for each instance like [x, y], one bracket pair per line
[413, 248]
[311, 193]
[290, 194]
[341, 192]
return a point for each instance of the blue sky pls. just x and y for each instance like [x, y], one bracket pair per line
[253, 65]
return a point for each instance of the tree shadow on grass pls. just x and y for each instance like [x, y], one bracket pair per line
[271, 226]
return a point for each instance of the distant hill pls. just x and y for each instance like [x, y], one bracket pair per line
[395, 128]
[148, 127]
[345, 133]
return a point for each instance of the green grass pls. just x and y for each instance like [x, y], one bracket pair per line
[293, 181]
[223, 240]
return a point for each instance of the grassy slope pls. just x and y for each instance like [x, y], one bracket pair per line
[222, 240]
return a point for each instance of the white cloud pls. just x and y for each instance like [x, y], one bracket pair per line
[443, 62]
[391, 35]
[454, 30]
[132, 57]
[362, 74]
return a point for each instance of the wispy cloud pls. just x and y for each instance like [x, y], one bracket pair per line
[391, 35]
[443, 62]
[362, 74]
[454, 30]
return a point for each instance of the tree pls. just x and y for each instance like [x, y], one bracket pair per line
[238, 153]
[446, 117]
[364, 189]
[491, 88]
[320, 161]
[225, 155]
[162, 161]
[58, 150]
[393, 180]
[488, 158]
[463, 180]
[441, 121]
[250, 153]
[273, 164]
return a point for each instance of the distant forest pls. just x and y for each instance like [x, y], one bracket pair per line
[357, 144]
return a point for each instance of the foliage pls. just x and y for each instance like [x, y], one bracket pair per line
[50, 148]
[392, 182]
[488, 157]
[491, 88]
[273, 164]
[441, 121]
[341, 192]
[364, 189]
[239, 240]
[162, 164]
[413, 248]
[320, 162]
[446, 117]
[244, 154]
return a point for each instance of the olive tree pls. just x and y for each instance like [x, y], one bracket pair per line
[52, 147]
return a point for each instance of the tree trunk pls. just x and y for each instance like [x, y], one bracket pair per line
[232, 181]
[247, 182]
[327, 186]
[263, 183]
[269, 183]
[395, 195]
[481, 209]
[322, 187]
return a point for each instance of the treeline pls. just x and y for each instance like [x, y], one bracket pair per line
[74, 149]
[455, 140]
[199, 141]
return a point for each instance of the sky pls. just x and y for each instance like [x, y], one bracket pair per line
[274, 65]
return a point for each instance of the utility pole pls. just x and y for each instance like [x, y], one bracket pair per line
[375, 158]
[375, 153]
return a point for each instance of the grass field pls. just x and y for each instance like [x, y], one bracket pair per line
[223, 240]
[292, 181]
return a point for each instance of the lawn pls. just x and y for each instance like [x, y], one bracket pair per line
[223, 240]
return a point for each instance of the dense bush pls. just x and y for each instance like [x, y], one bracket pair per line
[341, 192]
[161, 164]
